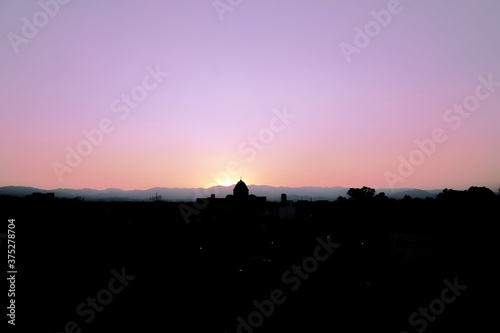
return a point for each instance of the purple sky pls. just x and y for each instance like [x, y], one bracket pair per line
[265, 93]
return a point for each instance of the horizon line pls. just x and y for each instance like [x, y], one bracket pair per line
[228, 186]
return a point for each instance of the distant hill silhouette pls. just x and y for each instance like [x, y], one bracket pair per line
[190, 194]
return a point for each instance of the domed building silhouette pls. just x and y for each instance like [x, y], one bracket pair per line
[240, 220]
[240, 190]
[240, 196]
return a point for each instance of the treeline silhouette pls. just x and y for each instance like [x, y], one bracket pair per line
[204, 274]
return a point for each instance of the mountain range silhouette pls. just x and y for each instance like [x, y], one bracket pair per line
[272, 193]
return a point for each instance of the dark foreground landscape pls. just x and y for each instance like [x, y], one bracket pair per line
[359, 264]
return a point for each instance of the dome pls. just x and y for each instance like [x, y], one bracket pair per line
[240, 189]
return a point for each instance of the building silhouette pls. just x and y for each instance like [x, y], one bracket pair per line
[241, 196]
[241, 207]
[240, 190]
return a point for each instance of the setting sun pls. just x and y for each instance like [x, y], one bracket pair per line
[227, 183]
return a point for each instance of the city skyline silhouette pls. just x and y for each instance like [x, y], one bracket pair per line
[236, 166]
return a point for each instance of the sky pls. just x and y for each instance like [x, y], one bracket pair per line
[139, 94]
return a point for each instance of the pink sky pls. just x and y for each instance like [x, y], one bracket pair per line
[348, 123]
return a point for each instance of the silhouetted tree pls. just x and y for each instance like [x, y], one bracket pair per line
[450, 194]
[341, 198]
[480, 193]
[364, 193]
[381, 196]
